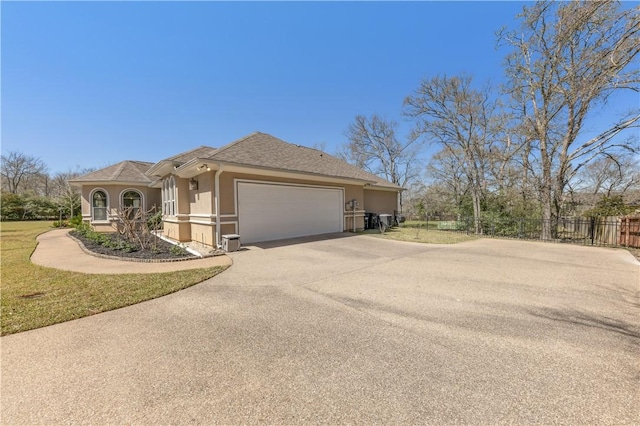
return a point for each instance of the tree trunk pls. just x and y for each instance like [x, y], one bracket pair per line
[546, 196]
[476, 198]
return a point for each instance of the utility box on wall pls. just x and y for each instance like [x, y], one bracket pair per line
[231, 242]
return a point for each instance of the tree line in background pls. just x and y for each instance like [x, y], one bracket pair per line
[500, 152]
[30, 192]
[518, 150]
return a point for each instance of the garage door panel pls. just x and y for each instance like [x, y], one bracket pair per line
[271, 212]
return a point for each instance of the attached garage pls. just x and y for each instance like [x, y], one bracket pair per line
[269, 211]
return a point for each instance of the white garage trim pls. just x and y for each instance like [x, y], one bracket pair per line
[275, 210]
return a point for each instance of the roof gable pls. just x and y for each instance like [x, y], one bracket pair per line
[263, 150]
[125, 171]
[164, 167]
[202, 151]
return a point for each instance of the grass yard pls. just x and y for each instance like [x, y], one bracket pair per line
[33, 296]
[431, 232]
[421, 232]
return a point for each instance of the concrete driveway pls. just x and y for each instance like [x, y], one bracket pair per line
[353, 330]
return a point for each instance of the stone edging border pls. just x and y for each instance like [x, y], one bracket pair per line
[127, 259]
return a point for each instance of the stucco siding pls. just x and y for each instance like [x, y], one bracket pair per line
[201, 200]
[178, 231]
[204, 234]
[183, 196]
[150, 197]
[381, 202]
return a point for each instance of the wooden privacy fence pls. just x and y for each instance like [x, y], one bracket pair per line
[605, 231]
[629, 231]
[601, 231]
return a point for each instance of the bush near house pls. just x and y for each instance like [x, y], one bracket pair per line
[123, 245]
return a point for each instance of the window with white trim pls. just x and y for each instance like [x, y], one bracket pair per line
[169, 196]
[99, 206]
[131, 201]
[165, 201]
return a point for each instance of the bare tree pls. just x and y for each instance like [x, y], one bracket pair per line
[374, 146]
[446, 171]
[567, 58]
[16, 168]
[462, 120]
[66, 195]
[612, 174]
[133, 225]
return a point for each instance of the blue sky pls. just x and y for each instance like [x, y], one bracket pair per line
[90, 84]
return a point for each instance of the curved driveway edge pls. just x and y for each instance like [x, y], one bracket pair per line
[56, 249]
[354, 330]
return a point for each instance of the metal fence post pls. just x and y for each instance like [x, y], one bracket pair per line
[521, 228]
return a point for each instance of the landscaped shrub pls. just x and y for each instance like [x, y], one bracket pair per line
[26, 207]
[133, 236]
[154, 221]
[75, 221]
[177, 250]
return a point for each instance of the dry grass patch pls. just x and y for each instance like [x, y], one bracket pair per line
[33, 296]
[422, 234]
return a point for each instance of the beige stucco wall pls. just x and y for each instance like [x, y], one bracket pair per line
[196, 219]
[183, 195]
[179, 231]
[201, 200]
[104, 227]
[348, 221]
[201, 204]
[150, 197]
[228, 228]
[204, 234]
[381, 202]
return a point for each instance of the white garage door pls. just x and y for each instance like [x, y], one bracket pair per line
[273, 212]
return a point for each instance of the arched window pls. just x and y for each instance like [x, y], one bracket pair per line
[172, 196]
[131, 201]
[99, 206]
[169, 196]
[165, 197]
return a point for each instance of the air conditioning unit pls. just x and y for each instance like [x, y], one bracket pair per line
[231, 242]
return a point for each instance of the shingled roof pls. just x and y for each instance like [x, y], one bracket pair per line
[265, 151]
[130, 172]
[202, 151]
[164, 167]
[259, 150]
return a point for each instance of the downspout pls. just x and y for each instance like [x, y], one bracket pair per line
[355, 203]
[216, 200]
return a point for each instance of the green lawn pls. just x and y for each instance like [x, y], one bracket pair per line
[33, 296]
[421, 232]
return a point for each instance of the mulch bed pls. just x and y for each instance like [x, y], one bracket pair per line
[163, 250]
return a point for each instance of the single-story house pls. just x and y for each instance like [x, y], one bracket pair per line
[259, 187]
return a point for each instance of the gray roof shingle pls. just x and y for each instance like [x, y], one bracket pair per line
[258, 149]
[202, 151]
[124, 171]
[263, 150]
